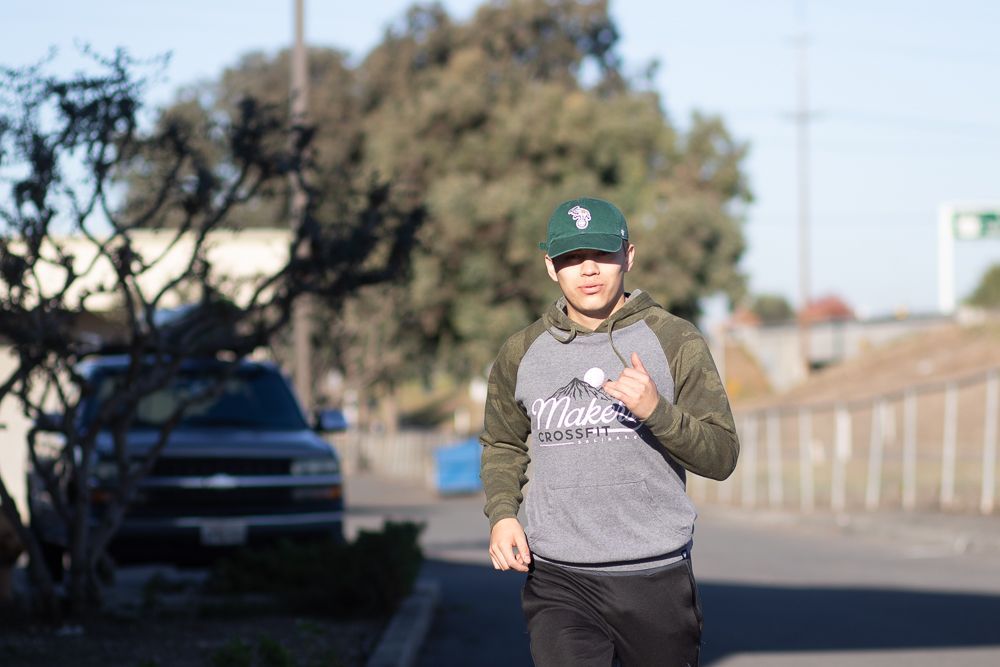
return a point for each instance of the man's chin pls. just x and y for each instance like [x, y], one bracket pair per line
[598, 313]
[597, 305]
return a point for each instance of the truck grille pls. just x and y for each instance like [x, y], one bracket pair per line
[205, 502]
[206, 467]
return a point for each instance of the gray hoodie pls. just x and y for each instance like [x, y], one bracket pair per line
[607, 490]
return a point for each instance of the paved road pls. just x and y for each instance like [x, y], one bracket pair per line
[778, 590]
[479, 617]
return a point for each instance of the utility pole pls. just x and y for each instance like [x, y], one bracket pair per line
[803, 116]
[302, 310]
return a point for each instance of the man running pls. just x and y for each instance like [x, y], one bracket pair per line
[612, 398]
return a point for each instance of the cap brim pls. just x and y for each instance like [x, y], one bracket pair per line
[602, 242]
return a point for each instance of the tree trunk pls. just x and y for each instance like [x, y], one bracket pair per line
[10, 546]
[79, 542]
[6, 583]
[10, 549]
[41, 581]
[389, 408]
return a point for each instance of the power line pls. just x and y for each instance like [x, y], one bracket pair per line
[861, 116]
[911, 50]
[916, 122]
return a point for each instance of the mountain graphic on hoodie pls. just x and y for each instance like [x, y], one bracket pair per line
[577, 389]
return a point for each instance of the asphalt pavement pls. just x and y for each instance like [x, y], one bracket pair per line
[789, 590]
[478, 620]
[777, 588]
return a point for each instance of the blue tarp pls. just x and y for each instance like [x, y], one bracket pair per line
[456, 467]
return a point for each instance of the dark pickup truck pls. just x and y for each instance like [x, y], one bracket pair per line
[242, 467]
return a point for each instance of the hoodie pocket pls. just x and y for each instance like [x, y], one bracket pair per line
[604, 523]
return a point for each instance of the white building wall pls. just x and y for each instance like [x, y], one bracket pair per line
[237, 257]
[13, 434]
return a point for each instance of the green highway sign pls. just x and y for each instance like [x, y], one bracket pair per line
[970, 225]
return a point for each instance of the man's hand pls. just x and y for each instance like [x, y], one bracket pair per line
[507, 534]
[635, 389]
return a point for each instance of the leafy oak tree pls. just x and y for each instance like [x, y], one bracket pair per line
[987, 292]
[772, 308]
[489, 123]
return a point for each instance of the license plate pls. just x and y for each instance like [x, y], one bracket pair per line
[223, 533]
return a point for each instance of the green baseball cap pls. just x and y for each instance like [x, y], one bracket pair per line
[585, 224]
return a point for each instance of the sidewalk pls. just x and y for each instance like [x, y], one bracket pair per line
[921, 530]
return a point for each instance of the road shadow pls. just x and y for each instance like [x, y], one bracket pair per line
[748, 618]
[479, 619]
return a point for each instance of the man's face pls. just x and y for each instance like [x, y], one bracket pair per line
[592, 281]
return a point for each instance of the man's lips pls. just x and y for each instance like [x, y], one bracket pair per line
[591, 289]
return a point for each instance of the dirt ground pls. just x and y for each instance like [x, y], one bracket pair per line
[949, 352]
[190, 642]
[159, 618]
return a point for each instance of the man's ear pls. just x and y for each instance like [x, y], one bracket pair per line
[629, 257]
[551, 268]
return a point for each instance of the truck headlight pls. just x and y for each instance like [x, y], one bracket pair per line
[324, 466]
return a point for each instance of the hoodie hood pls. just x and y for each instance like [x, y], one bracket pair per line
[564, 330]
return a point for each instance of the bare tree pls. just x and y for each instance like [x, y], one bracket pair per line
[67, 249]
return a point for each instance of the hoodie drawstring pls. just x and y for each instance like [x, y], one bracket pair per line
[567, 339]
[552, 325]
[611, 341]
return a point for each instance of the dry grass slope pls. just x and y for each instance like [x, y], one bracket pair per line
[951, 352]
[926, 361]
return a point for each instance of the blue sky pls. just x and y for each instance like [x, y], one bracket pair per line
[905, 92]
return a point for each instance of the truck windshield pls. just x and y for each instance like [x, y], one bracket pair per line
[252, 398]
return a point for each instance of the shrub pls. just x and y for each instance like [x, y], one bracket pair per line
[273, 654]
[368, 577]
[235, 653]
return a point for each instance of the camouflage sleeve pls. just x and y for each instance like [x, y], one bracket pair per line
[505, 458]
[698, 429]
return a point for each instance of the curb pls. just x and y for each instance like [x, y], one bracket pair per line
[968, 534]
[402, 639]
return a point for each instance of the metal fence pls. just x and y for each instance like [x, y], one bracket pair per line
[929, 446]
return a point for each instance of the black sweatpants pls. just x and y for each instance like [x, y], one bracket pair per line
[583, 619]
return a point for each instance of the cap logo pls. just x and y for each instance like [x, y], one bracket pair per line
[581, 215]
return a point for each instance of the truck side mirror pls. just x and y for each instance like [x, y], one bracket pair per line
[329, 421]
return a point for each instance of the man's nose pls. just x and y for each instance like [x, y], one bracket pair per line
[589, 267]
